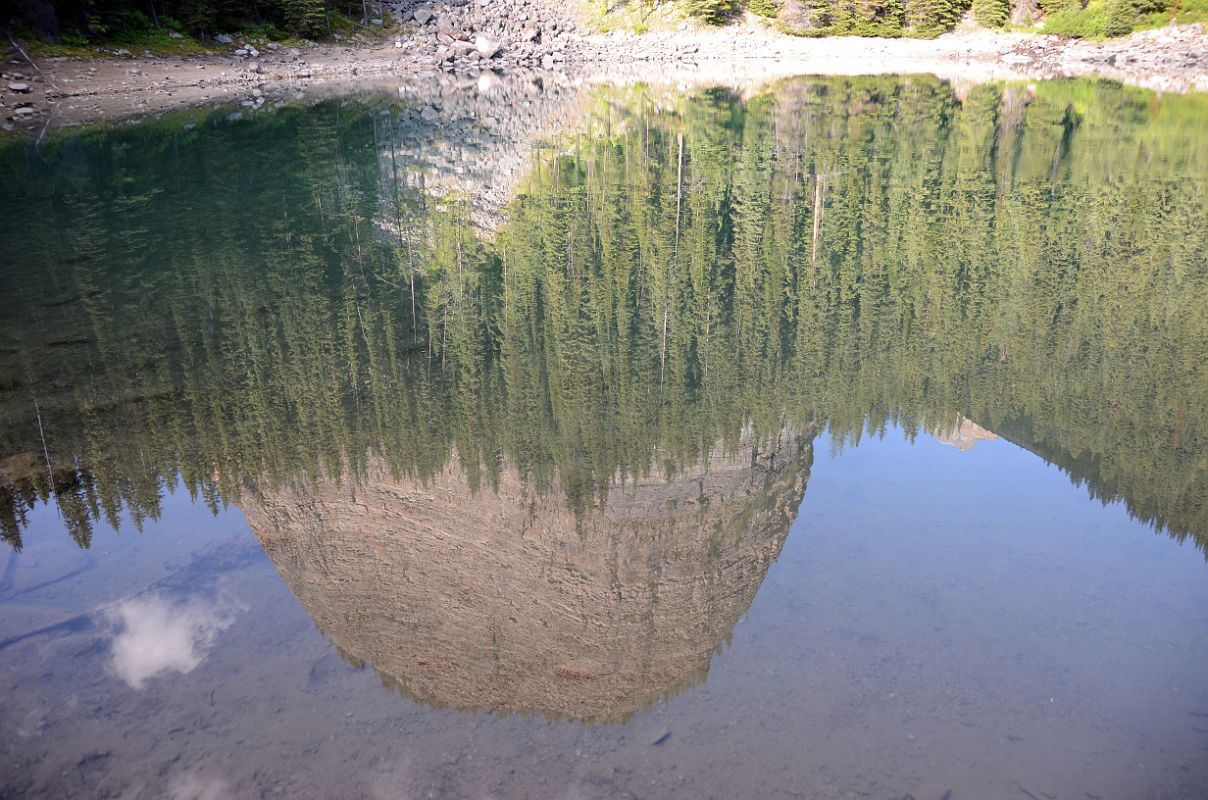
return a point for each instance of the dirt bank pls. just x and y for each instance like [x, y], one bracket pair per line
[38, 96]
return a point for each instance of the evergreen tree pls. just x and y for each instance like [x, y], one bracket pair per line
[859, 251]
[306, 17]
[992, 13]
[1121, 15]
[713, 11]
[929, 18]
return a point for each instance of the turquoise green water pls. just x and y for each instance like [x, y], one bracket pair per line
[842, 440]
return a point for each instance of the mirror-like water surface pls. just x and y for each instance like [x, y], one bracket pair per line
[839, 440]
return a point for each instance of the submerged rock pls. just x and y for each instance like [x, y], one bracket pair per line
[659, 737]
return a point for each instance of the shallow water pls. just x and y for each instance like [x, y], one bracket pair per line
[839, 441]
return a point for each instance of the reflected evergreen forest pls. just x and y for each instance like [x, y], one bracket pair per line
[673, 274]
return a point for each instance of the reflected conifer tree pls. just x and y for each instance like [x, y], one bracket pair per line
[857, 252]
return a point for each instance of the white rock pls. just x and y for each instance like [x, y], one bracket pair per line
[486, 46]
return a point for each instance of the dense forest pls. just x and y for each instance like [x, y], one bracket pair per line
[927, 18]
[82, 21]
[861, 252]
[104, 20]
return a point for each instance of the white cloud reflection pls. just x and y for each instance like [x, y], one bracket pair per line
[190, 786]
[155, 635]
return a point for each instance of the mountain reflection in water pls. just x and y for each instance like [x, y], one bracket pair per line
[507, 602]
[545, 468]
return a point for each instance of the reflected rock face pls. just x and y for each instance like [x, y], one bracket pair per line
[965, 435]
[508, 602]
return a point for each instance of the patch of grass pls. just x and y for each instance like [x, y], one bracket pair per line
[265, 32]
[73, 44]
[73, 39]
[1077, 22]
[608, 16]
[39, 48]
[880, 30]
[1101, 19]
[1147, 22]
[1188, 11]
[158, 41]
[1156, 14]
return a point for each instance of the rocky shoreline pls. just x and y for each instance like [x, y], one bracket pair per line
[465, 40]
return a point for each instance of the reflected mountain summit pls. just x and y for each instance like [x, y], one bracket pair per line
[507, 602]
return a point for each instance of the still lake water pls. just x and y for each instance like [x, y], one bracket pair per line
[841, 440]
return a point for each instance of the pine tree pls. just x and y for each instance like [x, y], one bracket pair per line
[713, 11]
[928, 18]
[993, 13]
[307, 17]
[1121, 14]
